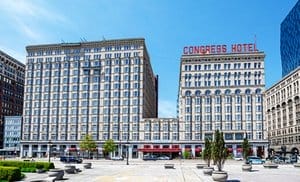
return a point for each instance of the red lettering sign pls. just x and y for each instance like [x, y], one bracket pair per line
[219, 49]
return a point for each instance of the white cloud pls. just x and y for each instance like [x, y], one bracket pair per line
[166, 109]
[27, 16]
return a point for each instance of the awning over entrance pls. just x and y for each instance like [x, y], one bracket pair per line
[159, 150]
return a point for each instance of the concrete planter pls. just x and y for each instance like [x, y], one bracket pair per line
[70, 169]
[87, 165]
[57, 173]
[219, 176]
[271, 165]
[201, 166]
[247, 167]
[208, 170]
[297, 165]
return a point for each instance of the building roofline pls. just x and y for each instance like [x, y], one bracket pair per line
[11, 58]
[86, 43]
[282, 79]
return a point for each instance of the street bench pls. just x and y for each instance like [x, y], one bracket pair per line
[169, 166]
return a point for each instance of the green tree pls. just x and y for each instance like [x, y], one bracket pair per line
[88, 144]
[219, 151]
[186, 154]
[246, 148]
[109, 146]
[207, 153]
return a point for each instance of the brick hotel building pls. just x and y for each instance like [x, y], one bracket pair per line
[222, 91]
[101, 88]
[12, 76]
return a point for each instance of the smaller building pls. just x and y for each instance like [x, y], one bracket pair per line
[282, 106]
[12, 135]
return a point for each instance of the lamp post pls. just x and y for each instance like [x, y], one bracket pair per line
[49, 153]
[127, 155]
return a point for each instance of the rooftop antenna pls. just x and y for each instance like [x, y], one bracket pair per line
[62, 41]
[103, 38]
[84, 39]
[255, 45]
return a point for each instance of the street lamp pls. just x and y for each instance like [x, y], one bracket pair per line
[49, 153]
[127, 151]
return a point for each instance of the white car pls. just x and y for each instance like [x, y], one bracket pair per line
[117, 158]
[238, 158]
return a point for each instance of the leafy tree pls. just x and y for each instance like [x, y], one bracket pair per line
[219, 151]
[186, 154]
[246, 148]
[207, 152]
[109, 146]
[88, 144]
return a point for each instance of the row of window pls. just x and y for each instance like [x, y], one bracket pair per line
[82, 50]
[225, 66]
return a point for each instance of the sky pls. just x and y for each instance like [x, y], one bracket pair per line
[166, 25]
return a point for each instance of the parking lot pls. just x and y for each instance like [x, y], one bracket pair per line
[185, 170]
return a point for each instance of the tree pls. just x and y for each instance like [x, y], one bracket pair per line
[109, 146]
[219, 151]
[88, 144]
[207, 153]
[246, 148]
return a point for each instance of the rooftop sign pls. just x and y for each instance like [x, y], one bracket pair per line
[219, 49]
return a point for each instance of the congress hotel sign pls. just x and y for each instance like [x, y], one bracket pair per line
[219, 49]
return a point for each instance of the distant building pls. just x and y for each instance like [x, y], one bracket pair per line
[101, 88]
[282, 106]
[290, 40]
[12, 132]
[222, 91]
[12, 76]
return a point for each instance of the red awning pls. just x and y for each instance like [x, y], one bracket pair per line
[229, 149]
[198, 149]
[72, 149]
[239, 150]
[159, 150]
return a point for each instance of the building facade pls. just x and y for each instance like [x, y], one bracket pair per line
[290, 40]
[12, 132]
[282, 104]
[222, 91]
[12, 76]
[101, 88]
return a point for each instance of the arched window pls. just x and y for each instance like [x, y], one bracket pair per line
[217, 92]
[258, 91]
[207, 92]
[227, 92]
[197, 93]
[237, 91]
[187, 93]
[248, 91]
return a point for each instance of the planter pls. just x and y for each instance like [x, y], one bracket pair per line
[247, 167]
[39, 170]
[271, 165]
[70, 169]
[208, 170]
[297, 165]
[87, 165]
[201, 166]
[219, 176]
[57, 173]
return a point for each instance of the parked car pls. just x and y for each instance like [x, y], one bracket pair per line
[70, 159]
[149, 157]
[164, 157]
[254, 160]
[293, 158]
[117, 158]
[238, 158]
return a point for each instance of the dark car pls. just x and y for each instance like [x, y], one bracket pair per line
[150, 157]
[70, 159]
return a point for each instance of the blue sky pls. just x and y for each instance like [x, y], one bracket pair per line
[167, 26]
